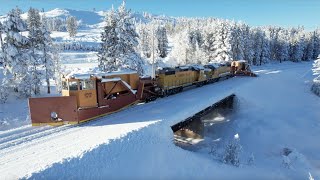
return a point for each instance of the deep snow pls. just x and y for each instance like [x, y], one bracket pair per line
[276, 110]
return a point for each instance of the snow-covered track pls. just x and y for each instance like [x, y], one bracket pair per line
[6, 137]
[29, 135]
[14, 131]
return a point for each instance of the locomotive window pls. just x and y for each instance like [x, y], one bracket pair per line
[86, 84]
[64, 85]
[73, 86]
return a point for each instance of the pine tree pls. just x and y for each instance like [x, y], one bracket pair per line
[272, 33]
[58, 69]
[34, 23]
[108, 55]
[144, 40]
[316, 45]
[1, 42]
[46, 46]
[309, 47]
[16, 54]
[316, 67]
[181, 48]
[119, 42]
[208, 45]
[296, 44]
[282, 47]
[3, 88]
[162, 39]
[237, 42]
[316, 81]
[72, 25]
[232, 152]
[258, 39]
[128, 37]
[248, 51]
[195, 50]
[222, 45]
[153, 43]
[265, 53]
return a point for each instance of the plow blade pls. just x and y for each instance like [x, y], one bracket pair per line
[53, 110]
[245, 73]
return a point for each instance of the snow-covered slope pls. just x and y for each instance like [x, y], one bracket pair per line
[276, 111]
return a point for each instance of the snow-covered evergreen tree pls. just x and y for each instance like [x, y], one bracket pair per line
[316, 67]
[232, 152]
[128, 39]
[152, 41]
[265, 53]
[272, 33]
[258, 39]
[46, 47]
[72, 26]
[1, 43]
[316, 45]
[3, 85]
[162, 39]
[34, 23]
[56, 24]
[58, 69]
[282, 47]
[222, 42]
[297, 44]
[248, 44]
[196, 51]
[16, 54]
[237, 42]
[309, 47]
[144, 40]
[208, 44]
[181, 48]
[119, 42]
[108, 55]
[316, 81]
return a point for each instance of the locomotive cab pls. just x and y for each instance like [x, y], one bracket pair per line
[83, 88]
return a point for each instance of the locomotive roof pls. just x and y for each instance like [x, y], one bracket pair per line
[98, 74]
[215, 65]
[197, 66]
[242, 61]
[110, 79]
[183, 67]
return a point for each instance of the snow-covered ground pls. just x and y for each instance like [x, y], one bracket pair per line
[275, 111]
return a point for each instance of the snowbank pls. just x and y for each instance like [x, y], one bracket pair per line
[276, 112]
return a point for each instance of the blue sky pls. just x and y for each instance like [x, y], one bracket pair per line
[254, 12]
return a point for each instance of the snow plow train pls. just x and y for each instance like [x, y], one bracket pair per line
[88, 96]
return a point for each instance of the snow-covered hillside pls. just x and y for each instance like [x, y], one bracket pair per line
[276, 111]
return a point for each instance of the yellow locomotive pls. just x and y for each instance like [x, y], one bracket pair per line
[173, 80]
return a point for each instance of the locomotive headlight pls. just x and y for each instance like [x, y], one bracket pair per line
[54, 116]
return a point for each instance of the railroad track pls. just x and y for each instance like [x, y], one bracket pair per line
[28, 135]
